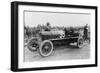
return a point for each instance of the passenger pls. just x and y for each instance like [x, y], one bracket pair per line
[66, 32]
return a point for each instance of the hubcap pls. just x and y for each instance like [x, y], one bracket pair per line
[80, 43]
[46, 48]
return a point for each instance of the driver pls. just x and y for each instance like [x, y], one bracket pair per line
[48, 27]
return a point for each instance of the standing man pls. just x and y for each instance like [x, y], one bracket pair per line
[86, 32]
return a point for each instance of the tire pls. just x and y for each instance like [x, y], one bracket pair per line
[46, 48]
[80, 42]
[33, 44]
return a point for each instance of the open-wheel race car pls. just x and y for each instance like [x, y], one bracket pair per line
[45, 40]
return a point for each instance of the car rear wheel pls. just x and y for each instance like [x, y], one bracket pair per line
[33, 43]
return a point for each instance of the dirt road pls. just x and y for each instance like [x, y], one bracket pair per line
[60, 53]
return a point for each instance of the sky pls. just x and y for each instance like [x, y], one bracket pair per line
[33, 18]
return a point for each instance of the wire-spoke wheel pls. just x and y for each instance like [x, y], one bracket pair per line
[33, 44]
[80, 43]
[46, 48]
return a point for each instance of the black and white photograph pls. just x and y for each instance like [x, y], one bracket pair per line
[54, 36]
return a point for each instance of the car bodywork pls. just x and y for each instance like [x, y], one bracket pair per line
[45, 40]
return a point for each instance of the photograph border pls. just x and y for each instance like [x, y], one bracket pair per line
[14, 35]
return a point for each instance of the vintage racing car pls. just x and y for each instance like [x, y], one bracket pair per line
[45, 40]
